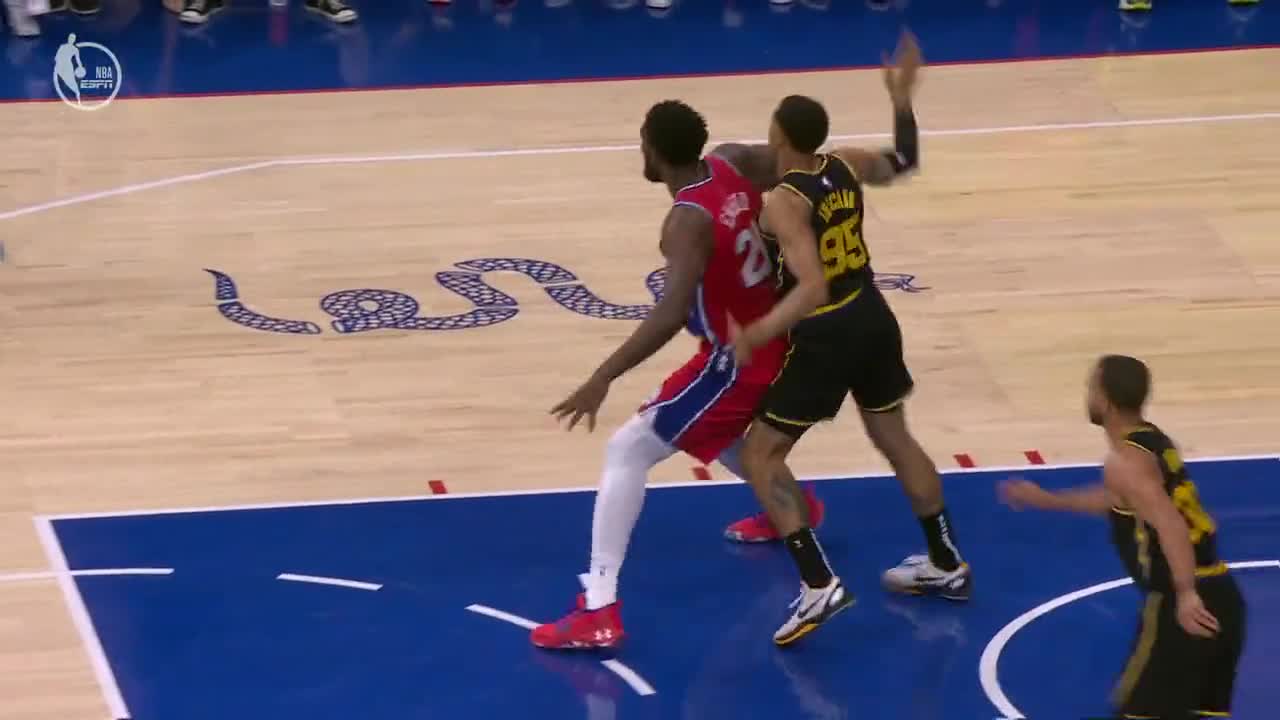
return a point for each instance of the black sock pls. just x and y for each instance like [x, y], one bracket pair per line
[807, 553]
[942, 549]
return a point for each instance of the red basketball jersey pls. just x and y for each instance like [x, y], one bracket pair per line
[739, 277]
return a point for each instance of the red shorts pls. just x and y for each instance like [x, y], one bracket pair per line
[708, 403]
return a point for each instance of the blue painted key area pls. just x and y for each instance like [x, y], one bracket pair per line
[222, 637]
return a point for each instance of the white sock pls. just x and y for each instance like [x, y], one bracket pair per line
[632, 450]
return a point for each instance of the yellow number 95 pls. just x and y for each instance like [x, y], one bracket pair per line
[842, 249]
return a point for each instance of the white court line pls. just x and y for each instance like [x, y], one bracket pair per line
[497, 614]
[82, 621]
[592, 488]
[566, 150]
[988, 665]
[630, 677]
[322, 580]
[617, 667]
[17, 577]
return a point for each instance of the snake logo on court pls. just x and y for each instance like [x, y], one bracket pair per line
[365, 309]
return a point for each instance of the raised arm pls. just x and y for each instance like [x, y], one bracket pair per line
[884, 166]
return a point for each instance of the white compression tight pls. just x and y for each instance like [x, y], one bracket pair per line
[631, 452]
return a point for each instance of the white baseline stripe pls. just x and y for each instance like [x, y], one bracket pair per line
[497, 614]
[630, 677]
[617, 667]
[16, 577]
[988, 665]
[82, 621]
[322, 580]
[566, 150]
[1026, 469]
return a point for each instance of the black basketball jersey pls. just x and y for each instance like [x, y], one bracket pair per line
[835, 199]
[1137, 543]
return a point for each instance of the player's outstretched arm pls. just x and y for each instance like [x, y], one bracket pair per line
[787, 214]
[686, 243]
[883, 167]
[1090, 500]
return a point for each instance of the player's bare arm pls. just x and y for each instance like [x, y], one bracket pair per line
[1134, 477]
[787, 215]
[885, 166]
[755, 163]
[686, 243]
[1019, 493]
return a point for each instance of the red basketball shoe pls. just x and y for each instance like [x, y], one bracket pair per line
[758, 528]
[582, 629]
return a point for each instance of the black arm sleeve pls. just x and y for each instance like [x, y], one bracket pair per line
[905, 155]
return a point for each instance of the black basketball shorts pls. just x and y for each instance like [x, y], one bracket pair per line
[855, 352]
[1176, 676]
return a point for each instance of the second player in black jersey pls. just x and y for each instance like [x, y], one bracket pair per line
[845, 340]
[834, 198]
[1191, 630]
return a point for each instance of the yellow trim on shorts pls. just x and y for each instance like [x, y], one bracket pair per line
[836, 305]
[1210, 713]
[789, 421]
[1142, 652]
[886, 408]
[786, 359]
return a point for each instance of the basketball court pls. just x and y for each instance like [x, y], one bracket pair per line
[276, 437]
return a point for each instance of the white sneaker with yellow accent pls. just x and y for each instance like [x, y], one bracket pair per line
[917, 575]
[814, 607]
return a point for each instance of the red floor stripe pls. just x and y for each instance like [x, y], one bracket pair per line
[701, 473]
[437, 487]
[1034, 457]
[964, 461]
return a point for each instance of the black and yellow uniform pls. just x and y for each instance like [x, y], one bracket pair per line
[853, 343]
[1171, 674]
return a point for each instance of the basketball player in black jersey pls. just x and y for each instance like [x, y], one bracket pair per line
[1191, 631]
[845, 340]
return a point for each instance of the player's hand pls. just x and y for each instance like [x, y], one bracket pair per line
[742, 341]
[1194, 617]
[1018, 493]
[586, 400]
[900, 73]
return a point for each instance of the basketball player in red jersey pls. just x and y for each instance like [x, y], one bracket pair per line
[717, 267]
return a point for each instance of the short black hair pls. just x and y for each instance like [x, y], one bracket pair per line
[676, 132]
[1125, 381]
[804, 121]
